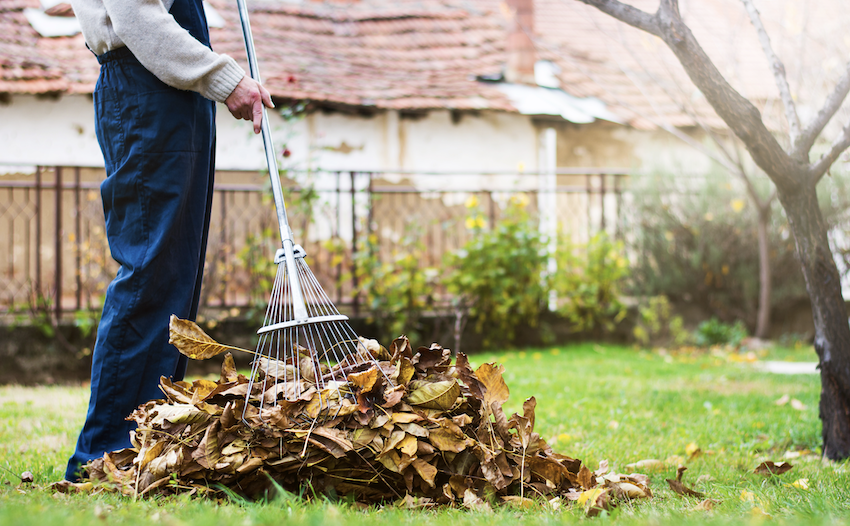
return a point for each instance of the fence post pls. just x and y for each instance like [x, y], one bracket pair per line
[57, 257]
[337, 239]
[355, 297]
[589, 199]
[77, 239]
[602, 202]
[37, 231]
[618, 194]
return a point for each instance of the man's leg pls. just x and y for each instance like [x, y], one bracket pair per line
[156, 202]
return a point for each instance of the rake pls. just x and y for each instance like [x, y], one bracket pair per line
[305, 343]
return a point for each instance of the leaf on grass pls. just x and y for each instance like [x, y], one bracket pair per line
[769, 468]
[472, 501]
[678, 487]
[649, 464]
[798, 405]
[594, 501]
[520, 502]
[693, 450]
[801, 484]
[193, 342]
[706, 505]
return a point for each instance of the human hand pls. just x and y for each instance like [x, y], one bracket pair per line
[246, 101]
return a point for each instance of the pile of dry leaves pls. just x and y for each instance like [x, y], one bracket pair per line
[435, 432]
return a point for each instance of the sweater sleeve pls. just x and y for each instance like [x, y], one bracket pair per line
[170, 52]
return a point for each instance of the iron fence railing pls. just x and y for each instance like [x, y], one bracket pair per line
[54, 254]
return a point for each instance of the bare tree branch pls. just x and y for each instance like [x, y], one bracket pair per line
[778, 73]
[628, 14]
[841, 143]
[814, 129]
[739, 113]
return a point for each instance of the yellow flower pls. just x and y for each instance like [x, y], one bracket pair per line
[801, 483]
[470, 223]
[472, 202]
[709, 216]
[724, 269]
[668, 236]
[738, 204]
[479, 222]
[520, 200]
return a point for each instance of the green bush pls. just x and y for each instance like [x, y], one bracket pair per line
[498, 275]
[588, 282]
[695, 241]
[657, 325]
[397, 291]
[715, 332]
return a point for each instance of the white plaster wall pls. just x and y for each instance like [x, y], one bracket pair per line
[337, 141]
[48, 132]
[60, 131]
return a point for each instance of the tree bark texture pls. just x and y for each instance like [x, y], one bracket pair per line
[763, 317]
[832, 333]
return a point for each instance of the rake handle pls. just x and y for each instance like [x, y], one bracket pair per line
[271, 159]
[300, 309]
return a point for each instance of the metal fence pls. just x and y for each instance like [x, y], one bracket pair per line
[54, 254]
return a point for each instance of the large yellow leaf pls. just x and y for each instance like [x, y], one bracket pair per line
[434, 395]
[496, 390]
[193, 342]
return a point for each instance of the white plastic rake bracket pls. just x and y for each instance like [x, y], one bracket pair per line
[294, 323]
[298, 252]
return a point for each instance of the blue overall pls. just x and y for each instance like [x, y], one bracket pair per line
[158, 146]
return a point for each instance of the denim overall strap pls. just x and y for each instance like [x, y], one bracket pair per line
[158, 145]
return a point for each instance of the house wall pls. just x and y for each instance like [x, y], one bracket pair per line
[60, 131]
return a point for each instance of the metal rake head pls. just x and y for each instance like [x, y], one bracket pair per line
[305, 345]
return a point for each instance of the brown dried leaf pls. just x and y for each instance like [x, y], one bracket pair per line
[433, 358]
[177, 414]
[193, 342]
[678, 487]
[366, 380]
[464, 371]
[375, 349]
[585, 478]
[433, 395]
[496, 390]
[706, 505]
[768, 468]
[472, 501]
[400, 347]
[425, 470]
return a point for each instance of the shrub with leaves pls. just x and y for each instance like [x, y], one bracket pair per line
[715, 332]
[399, 290]
[497, 275]
[589, 282]
[694, 241]
[657, 325]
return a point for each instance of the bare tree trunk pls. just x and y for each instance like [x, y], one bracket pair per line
[832, 333]
[765, 287]
[796, 180]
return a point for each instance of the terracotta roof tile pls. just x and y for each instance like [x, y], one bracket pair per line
[425, 54]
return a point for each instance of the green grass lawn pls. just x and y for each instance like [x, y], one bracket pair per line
[594, 402]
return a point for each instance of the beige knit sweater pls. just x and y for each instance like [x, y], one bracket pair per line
[161, 45]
